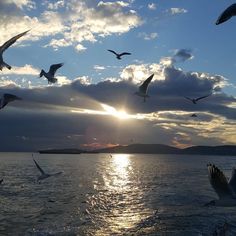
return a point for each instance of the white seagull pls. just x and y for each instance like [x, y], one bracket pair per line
[6, 98]
[5, 46]
[225, 189]
[227, 14]
[43, 174]
[194, 100]
[119, 55]
[51, 73]
[142, 92]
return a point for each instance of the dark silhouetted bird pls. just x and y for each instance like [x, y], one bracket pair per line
[6, 98]
[194, 100]
[51, 73]
[144, 87]
[5, 46]
[118, 56]
[227, 14]
[43, 174]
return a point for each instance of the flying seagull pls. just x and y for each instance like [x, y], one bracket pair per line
[225, 190]
[194, 100]
[142, 92]
[43, 174]
[6, 98]
[5, 46]
[118, 56]
[51, 73]
[227, 14]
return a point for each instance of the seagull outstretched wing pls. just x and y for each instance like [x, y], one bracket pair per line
[227, 14]
[125, 53]
[113, 52]
[39, 168]
[144, 86]
[55, 174]
[7, 44]
[54, 67]
[188, 98]
[203, 97]
[219, 182]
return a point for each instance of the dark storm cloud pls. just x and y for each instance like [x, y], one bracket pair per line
[44, 118]
[167, 94]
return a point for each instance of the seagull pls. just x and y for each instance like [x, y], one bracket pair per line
[225, 190]
[6, 98]
[5, 46]
[51, 73]
[118, 56]
[43, 174]
[227, 14]
[143, 88]
[1, 181]
[194, 100]
[194, 115]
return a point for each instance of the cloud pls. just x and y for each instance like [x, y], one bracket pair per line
[99, 68]
[25, 70]
[183, 55]
[80, 47]
[76, 22]
[165, 117]
[175, 11]
[152, 6]
[146, 36]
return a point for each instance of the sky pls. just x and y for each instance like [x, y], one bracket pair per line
[93, 104]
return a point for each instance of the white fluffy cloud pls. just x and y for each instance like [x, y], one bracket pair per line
[76, 22]
[25, 70]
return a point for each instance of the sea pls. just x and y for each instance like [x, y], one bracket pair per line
[117, 194]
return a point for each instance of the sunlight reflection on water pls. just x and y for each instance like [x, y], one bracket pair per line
[122, 196]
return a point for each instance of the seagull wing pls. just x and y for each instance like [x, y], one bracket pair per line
[144, 86]
[232, 181]
[55, 174]
[219, 182]
[112, 52]
[125, 53]
[203, 97]
[39, 168]
[188, 98]
[54, 67]
[7, 44]
[227, 14]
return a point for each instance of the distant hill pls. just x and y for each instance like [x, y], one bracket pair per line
[62, 151]
[229, 150]
[226, 150]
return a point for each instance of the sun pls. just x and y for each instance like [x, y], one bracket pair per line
[121, 114]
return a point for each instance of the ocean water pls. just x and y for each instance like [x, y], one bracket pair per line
[119, 195]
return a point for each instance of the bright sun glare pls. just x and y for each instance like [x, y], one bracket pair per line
[122, 114]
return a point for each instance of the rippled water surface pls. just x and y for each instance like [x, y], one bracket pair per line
[119, 195]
